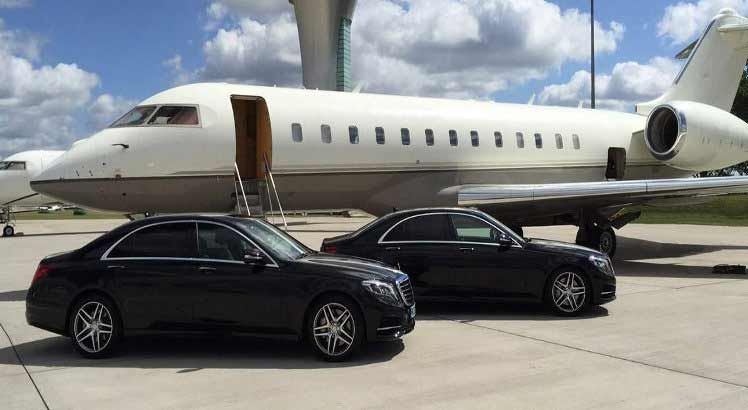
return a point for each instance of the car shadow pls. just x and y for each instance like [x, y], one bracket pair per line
[467, 312]
[190, 354]
[13, 296]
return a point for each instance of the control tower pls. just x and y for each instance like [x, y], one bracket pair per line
[325, 39]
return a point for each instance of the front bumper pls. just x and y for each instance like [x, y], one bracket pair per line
[605, 290]
[389, 323]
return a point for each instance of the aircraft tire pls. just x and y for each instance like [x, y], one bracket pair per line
[8, 231]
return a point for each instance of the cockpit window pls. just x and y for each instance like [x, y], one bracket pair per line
[12, 166]
[174, 115]
[137, 116]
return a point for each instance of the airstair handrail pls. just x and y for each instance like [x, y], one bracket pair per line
[277, 198]
[241, 186]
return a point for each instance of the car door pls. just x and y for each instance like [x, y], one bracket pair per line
[152, 269]
[421, 246]
[236, 295]
[488, 269]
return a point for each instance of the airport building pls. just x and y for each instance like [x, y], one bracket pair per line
[325, 39]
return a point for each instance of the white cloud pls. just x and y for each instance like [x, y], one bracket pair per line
[466, 48]
[687, 19]
[629, 83]
[12, 4]
[106, 108]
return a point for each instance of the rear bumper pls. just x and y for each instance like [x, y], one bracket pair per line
[45, 317]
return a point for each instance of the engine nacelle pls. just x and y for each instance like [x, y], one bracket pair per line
[696, 137]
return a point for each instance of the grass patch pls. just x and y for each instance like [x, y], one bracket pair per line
[727, 211]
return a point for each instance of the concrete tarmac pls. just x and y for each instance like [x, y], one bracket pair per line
[675, 338]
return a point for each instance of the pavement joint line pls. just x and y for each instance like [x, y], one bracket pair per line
[610, 356]
[18, 356]
[708, 284]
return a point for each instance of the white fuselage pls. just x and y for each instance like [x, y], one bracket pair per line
[15, 190]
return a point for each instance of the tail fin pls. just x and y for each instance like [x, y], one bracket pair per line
[714, 68]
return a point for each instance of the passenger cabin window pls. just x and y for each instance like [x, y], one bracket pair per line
[538, 141]
[474, 138]
[136, 116]
[405, 136]
[326, 134]
[499, 139]
[12, 166]
[425, 228]
[469, 229]
[520, 140]
[430, 137]
[559, 141]
[453, 138]
[174, 115]
[575, 141]
[353, 134]
[220, 243]
[379, 131]
[169, 240]
[296, 133]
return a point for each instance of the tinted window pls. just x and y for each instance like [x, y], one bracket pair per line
[421, 228]
[469, 229]
[405, 136]
[326, 134]
[474, 138]
[429, 137]
[559, 141]
[538, 141]
[221, 243]
[353, 134]
[575, 141]
[296, 133]
[520, 140]
[453, 138]
[499, 139]
[170, 240]
[173, 115]
[380, 135]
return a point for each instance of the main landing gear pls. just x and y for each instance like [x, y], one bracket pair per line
[596, 231]
[6, 218]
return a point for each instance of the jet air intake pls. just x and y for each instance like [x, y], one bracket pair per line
[696, 137]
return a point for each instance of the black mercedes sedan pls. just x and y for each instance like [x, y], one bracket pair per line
[216, 274]
[465, 254]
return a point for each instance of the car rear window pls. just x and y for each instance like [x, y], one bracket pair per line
[168, 240]
[427, 228]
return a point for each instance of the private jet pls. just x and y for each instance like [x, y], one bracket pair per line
[201, 147]
[16, 195]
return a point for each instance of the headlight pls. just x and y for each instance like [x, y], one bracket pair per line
[384, 292]
[602, 263]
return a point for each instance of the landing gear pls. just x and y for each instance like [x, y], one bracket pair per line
[599, 238]
[8, 231]
[6, 218]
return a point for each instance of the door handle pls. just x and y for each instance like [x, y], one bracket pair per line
[207, 269]
[115, 267]
[467, 249]
[392, 248]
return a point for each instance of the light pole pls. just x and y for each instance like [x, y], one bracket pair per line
[592, 36]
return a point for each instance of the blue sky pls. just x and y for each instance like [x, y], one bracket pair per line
[119, 52]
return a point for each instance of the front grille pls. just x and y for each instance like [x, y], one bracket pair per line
[406, 291]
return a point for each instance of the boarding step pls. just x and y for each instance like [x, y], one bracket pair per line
[255, 195]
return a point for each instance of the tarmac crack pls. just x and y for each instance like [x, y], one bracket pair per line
[610, 356]
[18, 356]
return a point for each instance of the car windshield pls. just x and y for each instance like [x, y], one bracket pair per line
[275, 240]
[12, 166]
[137, 116]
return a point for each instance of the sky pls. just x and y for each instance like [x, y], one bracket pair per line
[69, 68]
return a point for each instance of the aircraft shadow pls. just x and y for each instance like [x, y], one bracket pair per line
[631, 248]
[13, 296]
[189, 354]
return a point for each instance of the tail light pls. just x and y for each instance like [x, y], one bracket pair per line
[329, 249]
[41, 272]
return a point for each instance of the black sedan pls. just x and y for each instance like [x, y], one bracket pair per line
[468, 255]
[190, 274]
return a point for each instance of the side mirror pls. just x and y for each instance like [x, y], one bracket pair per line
[505, 241]
[254, 257]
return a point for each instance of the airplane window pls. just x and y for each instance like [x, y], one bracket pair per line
[520, 140]
[499, 139]
[538, 141]
[136, 116]
[474, 138]
[12, 166]
[326, 134]
[405, 135]
[559, 141]
[429, 137]
[575, 141]
[174, 115]
[353, 134]
[453, 138]
[296, 133]
[380, 135]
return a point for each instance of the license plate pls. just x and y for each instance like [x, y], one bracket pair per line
[413, 311]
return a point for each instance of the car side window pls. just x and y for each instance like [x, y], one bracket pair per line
[168, 240]
[469, 229]
[220, 243]
[425, 228]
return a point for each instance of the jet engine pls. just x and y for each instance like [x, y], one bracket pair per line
[696, 137]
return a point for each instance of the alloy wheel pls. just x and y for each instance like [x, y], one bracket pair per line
[334, 329]
[569, 292]
[93, 327]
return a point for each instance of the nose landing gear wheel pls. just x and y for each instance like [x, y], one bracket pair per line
[8, 231]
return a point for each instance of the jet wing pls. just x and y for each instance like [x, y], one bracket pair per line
[548, 199]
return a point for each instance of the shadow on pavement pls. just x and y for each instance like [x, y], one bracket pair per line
[630, 248]
[13, 296]
[193, 354]
[469, 312]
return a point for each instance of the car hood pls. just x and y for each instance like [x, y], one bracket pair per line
[350, 265]
[563, 247]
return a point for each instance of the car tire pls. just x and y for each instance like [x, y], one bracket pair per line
[568, 293]
[335, 328]
[95, 327]
[8, 231]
